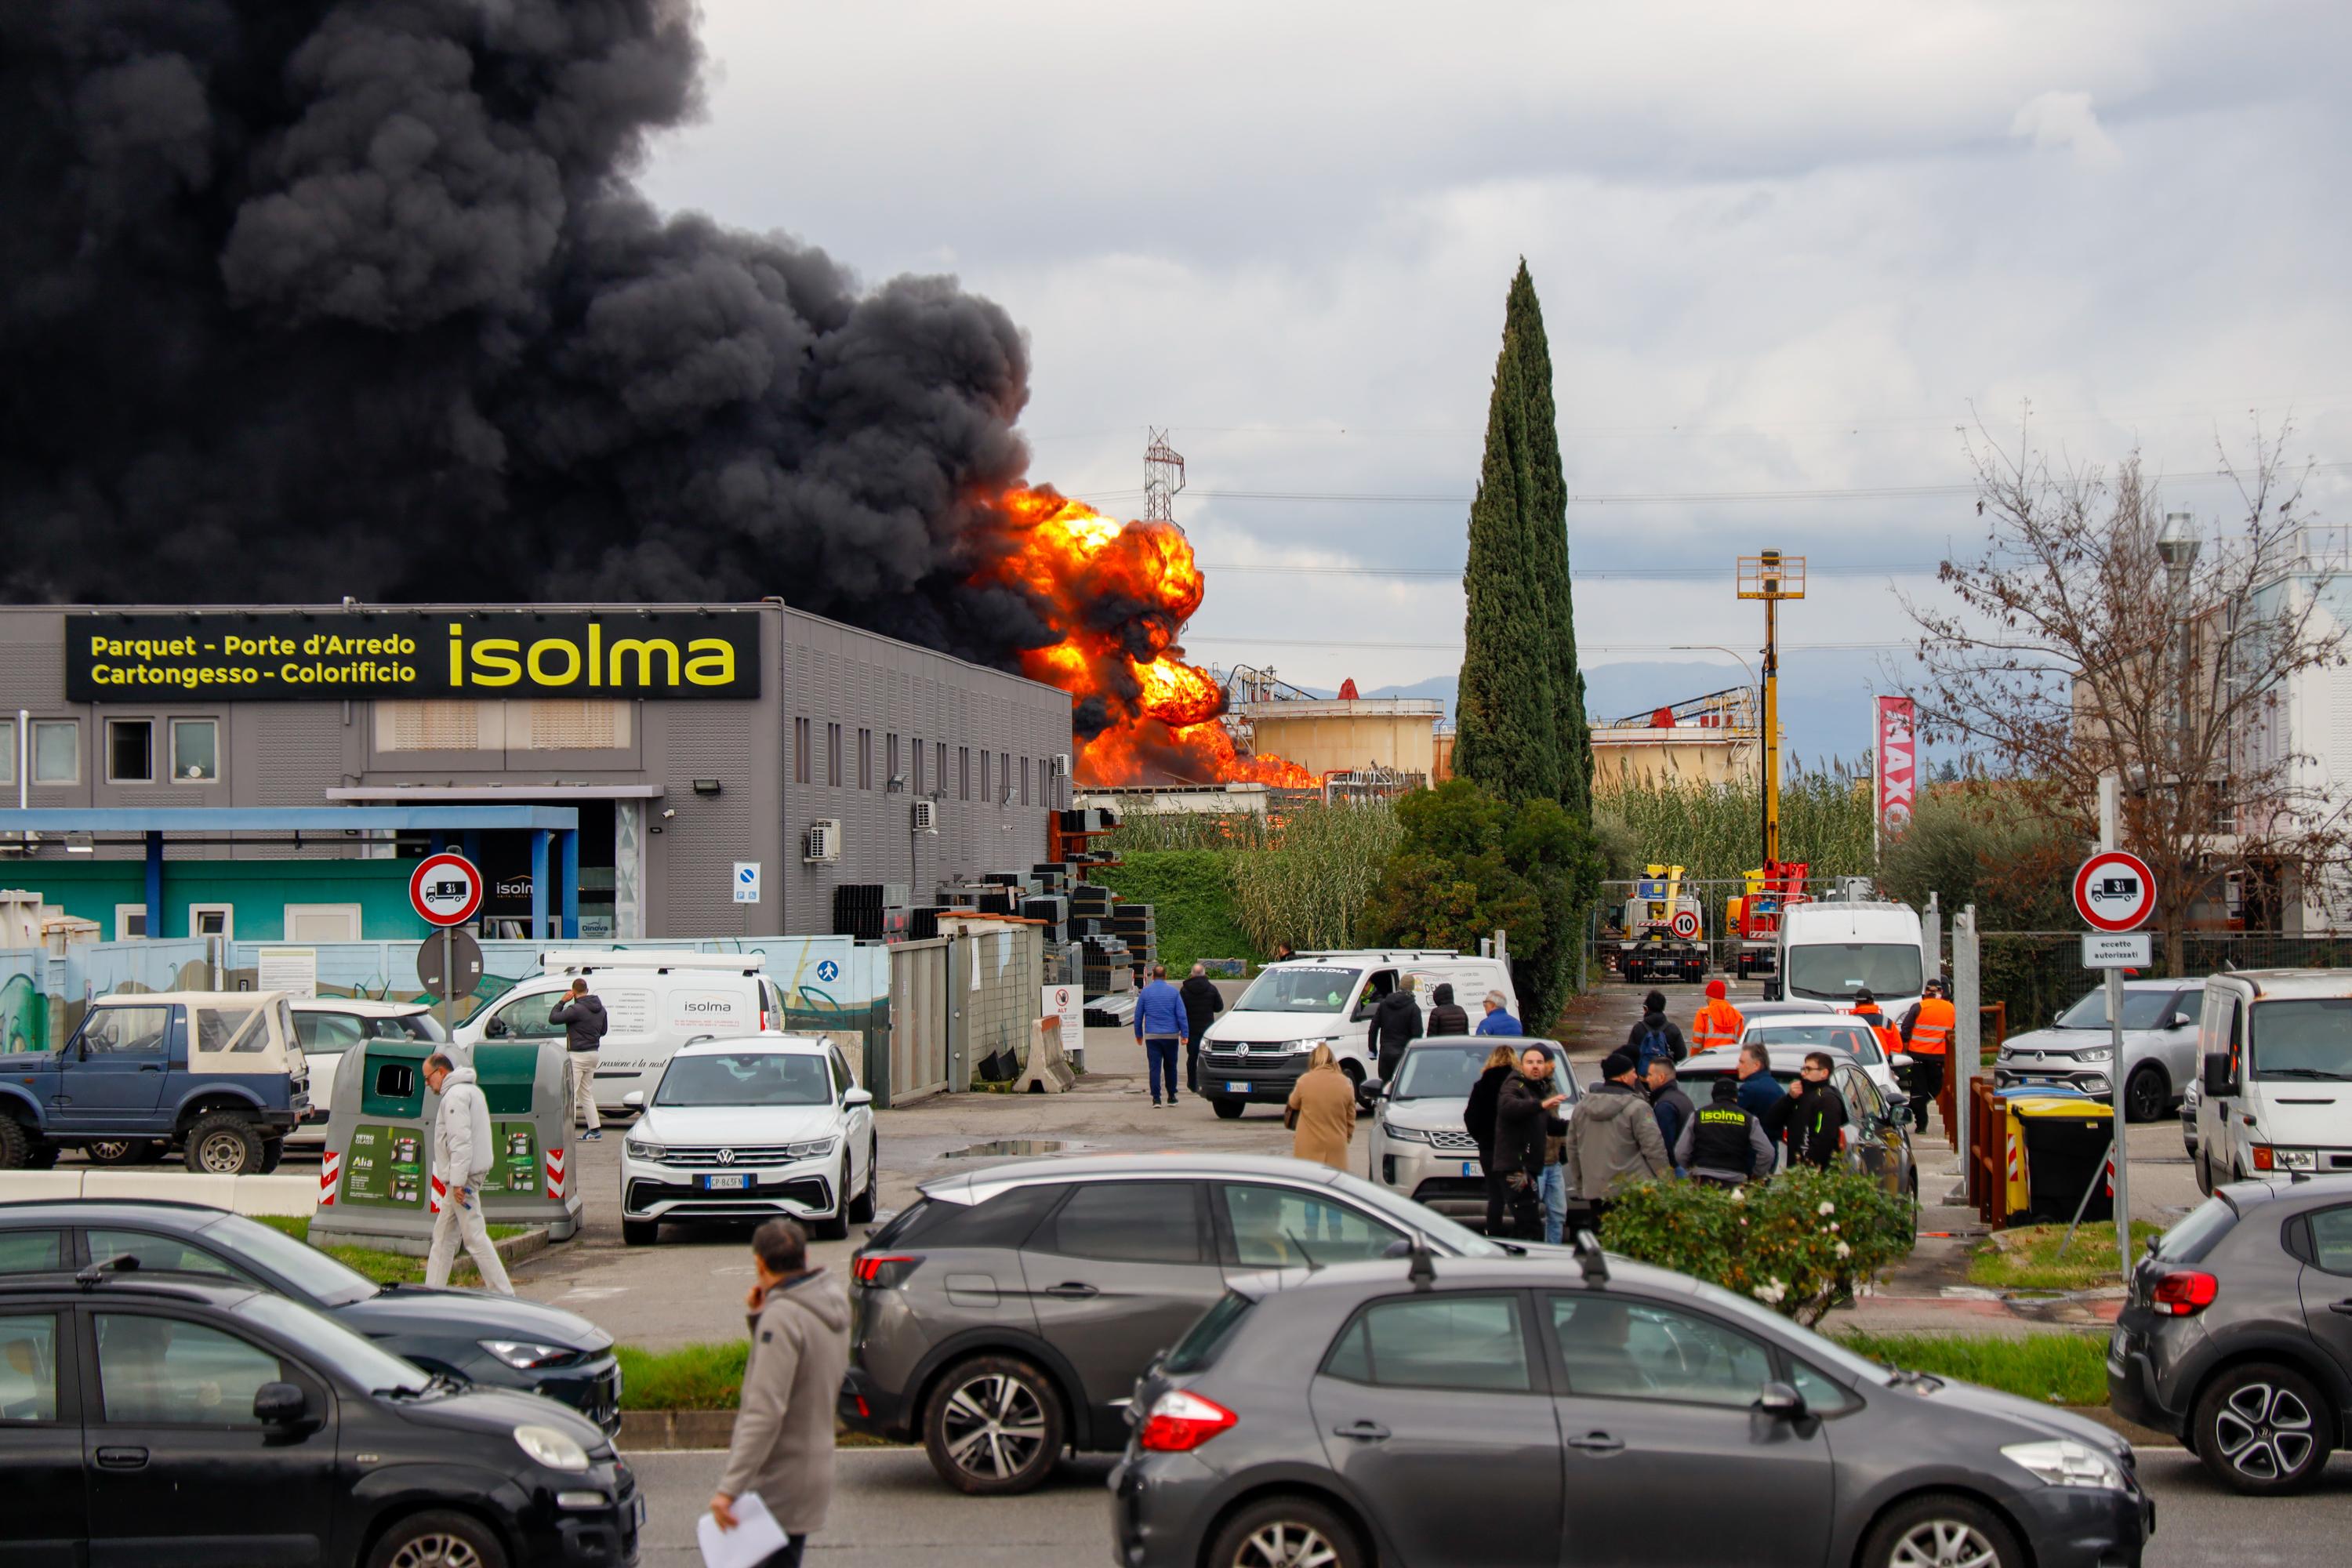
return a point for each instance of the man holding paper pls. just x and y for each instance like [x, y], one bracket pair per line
[783, 1454]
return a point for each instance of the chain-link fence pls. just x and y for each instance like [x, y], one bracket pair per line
[1608, 932]
[2039, 973]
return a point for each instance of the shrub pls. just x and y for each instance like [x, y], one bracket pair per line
[1799, 1243]
[1191, 893]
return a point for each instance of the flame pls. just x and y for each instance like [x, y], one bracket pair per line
[1116, 595]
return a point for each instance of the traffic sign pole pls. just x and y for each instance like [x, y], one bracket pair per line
[2110, 813]
[448, 985]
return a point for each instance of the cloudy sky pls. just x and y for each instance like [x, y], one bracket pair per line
[1785, 254]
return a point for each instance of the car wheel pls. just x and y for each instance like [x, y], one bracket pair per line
[834, 1226]
[273, 1154]
[15, 1144]
[640, 1232]
[862, 1208]
[123, 1152]
[2147, 1095]
[1226, 1109]
[2262, 1428]
[993, 1427]
[440, 1539]
[1286, 1532]
[1941, 1529]
[224, 1145]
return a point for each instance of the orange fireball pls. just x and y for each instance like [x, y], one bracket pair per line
[1116, 595]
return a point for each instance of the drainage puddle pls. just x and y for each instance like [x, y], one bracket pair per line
[1010, 1148]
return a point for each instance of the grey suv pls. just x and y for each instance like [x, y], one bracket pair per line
[1005, 1316]
[1458, 1410]
[2237, 1337]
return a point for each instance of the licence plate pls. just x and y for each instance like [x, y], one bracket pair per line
[1237, 1088]
[732, 1182]
[1469, 1167]
[637, 1510]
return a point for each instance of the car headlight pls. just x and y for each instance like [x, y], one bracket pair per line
[640, 1149]
[814, 1149]
[551, 1446]
[523, 1356]
[1404, 1134]
[2096, 1053]
[1304, 1048]
[2063, 1462]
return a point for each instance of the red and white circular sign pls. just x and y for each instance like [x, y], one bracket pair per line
[1686, 923]
[2114, 891]
[447, 890]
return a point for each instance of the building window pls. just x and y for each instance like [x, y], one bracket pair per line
[799, 751]
[983, 776]
[833, 755]
[919, 765]
[322, 922]
[939, 768]
[1024, 781]
[130, 921]
[130, 751]
[8, 750]
[195, 750]
[1004, 777]
[964, 773]
[213, 919]
[57, 750]
[865, 758]
[890, 775]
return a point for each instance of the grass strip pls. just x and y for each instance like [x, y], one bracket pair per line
[385, 1268]
[2054, 1368]
[2026, 1258]
[688, 1378]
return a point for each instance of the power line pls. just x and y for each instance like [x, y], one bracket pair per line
[1582, 573]
[1582, 646]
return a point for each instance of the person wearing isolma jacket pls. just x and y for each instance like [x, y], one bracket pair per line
[463, 1155]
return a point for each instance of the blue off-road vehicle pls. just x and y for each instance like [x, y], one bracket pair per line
[218, 1075]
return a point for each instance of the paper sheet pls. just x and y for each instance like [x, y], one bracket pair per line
[755, 1537]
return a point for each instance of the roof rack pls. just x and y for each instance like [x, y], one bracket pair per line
[1595, 1261]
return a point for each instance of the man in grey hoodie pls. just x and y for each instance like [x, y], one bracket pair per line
[462, 1156]
[784, 1419]
[1613, 1137]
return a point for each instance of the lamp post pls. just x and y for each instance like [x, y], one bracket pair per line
[2177, 544]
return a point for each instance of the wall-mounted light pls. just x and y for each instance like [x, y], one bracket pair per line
[80, 844]
[706, 786]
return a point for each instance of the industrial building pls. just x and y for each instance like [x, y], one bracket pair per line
[177, 758]
[1714, 740]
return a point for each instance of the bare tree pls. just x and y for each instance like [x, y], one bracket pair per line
[2091, 636]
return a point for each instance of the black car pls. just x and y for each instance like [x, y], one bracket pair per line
[1560, 1408]
[154, 1420]
[471, 1335]
[2237, 1336]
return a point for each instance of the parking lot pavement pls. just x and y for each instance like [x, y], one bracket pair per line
[889, 1510]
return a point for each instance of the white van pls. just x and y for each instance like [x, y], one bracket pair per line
[1830, 949]
[654, 1003]
[1257, 1047]
[2277, 1066]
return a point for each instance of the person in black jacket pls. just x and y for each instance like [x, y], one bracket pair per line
[1811, 1120]
[1396, 1024]
[1723, 1143]
[1203, 1003]
[1524, 1128]
[1444, 1017]
[1478, 1120]
[1654, 1021]
[1673, 1107]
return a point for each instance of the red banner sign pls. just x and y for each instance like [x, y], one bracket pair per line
[1897, 752]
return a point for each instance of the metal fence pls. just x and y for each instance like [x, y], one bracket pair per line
[2039, 973]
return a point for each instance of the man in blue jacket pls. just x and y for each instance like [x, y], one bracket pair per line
[1160, 1024]
[1759, 1089]
[1498, 1020]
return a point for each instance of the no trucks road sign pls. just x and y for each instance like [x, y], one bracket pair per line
[2114, 891]
[446, 889]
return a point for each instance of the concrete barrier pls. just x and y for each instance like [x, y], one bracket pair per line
[294, 1195]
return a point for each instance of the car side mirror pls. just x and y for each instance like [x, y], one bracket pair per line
[1899, 1061]
[1780, 1401]
[634, 1100]
[1368, 1092]
[279, 1405]
[2179, 1021]
[2217, 1073]
[496, 1030]
[1771, 991]
[857, 1097]
[1400, 1247]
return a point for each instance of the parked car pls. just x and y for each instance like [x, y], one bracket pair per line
[174, 1420]
[1752, 1010]
[753, 1127]
[1005, 1315]
[1840, 1032]
[655, 1000]
[2077, 1050]
[499, 1341]
[1581, 1409]
[217, 1075]
[2189, 1096]
[2237, 1335]
[1253, 1054]
[329, 1026]
[1877, 1136]
[2277, 1058]
[1418, 1147]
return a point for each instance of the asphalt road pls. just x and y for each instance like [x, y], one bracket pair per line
[891, 1511]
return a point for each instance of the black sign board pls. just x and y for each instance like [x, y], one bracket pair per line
[231, 656]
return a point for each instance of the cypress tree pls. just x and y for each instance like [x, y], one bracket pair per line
[1506, 735]
[1544, 501]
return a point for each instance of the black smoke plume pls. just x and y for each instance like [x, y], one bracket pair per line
[301, 300]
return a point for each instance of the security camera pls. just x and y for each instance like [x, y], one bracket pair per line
[670, 811]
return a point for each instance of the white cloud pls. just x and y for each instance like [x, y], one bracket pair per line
[2066, 119]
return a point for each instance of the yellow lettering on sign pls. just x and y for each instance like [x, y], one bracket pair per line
[493, 663]
[456, 653]
[714, 667]
[571, 661]
[645, 651]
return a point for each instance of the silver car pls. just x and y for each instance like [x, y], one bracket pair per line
[1420, 1148]
[2076, 1051]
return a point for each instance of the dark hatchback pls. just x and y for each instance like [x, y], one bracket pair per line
[2237, 1336]
[1555, 1409]
[204, 1426]
[473, 1336]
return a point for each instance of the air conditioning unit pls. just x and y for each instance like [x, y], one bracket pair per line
[821, 844]
[926, 816]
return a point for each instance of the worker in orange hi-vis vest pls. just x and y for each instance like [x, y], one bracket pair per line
[1865, 1006]
[1926, 1029]
[1717, 1024]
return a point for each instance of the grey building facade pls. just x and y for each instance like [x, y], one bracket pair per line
[689, 736]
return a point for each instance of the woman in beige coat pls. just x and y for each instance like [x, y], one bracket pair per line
[1322, 1112]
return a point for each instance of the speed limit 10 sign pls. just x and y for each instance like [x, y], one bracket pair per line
[1685, 924]
[2114, 891]
[446, 889]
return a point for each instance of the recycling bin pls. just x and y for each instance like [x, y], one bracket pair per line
[2055, 1148]
[376, 1184]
